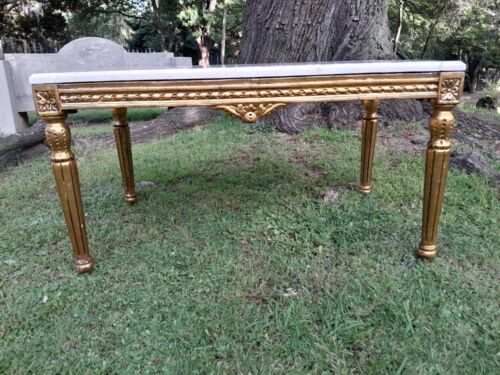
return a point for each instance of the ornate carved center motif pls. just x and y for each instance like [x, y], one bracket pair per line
[450, 90]
[250, 112]
[46, 101]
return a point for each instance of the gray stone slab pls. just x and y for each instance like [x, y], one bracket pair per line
[11, 121]
[80, 55]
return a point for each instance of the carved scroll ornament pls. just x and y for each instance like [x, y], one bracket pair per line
[250, 112]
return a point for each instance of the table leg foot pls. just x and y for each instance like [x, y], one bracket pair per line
[365, 189]
[84, 265]
[130, 198]
[427, 251]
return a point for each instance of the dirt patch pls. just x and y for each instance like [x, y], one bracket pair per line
[477, 132]
[411, 139]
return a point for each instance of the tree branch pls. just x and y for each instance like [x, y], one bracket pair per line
[9, 7]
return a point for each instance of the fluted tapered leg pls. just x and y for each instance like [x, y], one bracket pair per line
[68, 185]
[368, 140]
[436, 172]
[124, 147]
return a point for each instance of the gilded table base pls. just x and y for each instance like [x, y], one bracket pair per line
[248, 100]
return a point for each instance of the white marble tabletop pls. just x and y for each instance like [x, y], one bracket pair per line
[252, 71]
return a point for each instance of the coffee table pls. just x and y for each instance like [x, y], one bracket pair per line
[248, 93]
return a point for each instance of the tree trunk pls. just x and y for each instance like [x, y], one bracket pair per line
[277, 31]
[223, 34]
[34, 134]
[165, 125]
[428, 38]
[204, 49]
[12, 146]
[473, 72]
[157, 23]
[400, 25]
[204, 42]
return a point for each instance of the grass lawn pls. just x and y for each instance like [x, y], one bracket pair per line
[233, 264]
[471, 108]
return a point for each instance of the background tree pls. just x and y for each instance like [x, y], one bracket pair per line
[204, 20]
[189, 27]
[277, 31]
[476, 41]
[450, 29]
[34, 22]
[234, 24]
[327, 29]
[59, 21]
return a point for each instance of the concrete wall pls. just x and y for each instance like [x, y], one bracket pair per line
[11, 120]
[84, 54]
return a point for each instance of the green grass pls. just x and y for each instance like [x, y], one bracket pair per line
[232, 264]
[95, 129]
[471, 108]
[102, 115]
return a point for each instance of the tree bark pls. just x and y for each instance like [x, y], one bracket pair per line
[278, 31]
[428, 38]
[473, 71]
[157, 23]
[204, 41]
[223, 34]
[400, 25]
[204, 49]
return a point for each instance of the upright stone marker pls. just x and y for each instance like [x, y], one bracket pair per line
[84, 54]
[11, 120]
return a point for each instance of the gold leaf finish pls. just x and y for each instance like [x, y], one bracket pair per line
[46, 101]
[451, 86]
[450, 90]
[250, 112]
[253, 94]
[368, 138]
[124, 148]
[68, 186]
[436, 172]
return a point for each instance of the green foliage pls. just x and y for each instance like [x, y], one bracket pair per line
[232, 264]
[478, 36]
[235, 9]
[34, 22]
[110, 26]
[59, 21]
[191, 15]
[180, 25]
[450, 29]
